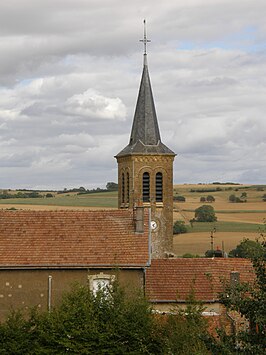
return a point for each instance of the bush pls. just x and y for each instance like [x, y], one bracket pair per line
[189, 255]
[210, 198]
[179, 198]
[232, 198]
[259, 188]
[203, 199]
[179, 227]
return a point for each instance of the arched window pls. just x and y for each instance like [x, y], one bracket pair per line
[159, 187]
[127, 188]
[123, 188]
[146, 187]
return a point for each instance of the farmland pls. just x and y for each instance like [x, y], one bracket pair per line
[100, 200]
[235, 220]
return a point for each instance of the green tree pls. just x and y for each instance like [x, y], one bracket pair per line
[236, 199]
[250, 301]
[232, 198]
[179, 227]
[119, 323]
[247, 249]
[112, 186]
[186, 329]
[210, 198]
[19, 334]
[114, 321]
[116, 324]
[205, 213]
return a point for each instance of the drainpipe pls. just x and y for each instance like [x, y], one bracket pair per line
[150, 241]
[49, 292]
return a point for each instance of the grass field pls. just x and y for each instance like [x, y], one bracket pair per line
[235, 220]
[96, 200]
[224, 227]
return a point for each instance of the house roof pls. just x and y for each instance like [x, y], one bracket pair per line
[170, 280]
[145, 135]
[72, 239]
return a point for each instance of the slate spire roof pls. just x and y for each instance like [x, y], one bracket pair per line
[145, 135]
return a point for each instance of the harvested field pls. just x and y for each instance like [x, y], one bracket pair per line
[252, 217]
[198, 243]
[228, 216]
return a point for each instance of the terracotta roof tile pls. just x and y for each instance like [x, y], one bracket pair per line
[57, 238]
[172, 279]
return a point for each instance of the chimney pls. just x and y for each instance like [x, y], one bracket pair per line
[139, 220]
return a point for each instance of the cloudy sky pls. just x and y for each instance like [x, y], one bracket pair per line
[69, 78]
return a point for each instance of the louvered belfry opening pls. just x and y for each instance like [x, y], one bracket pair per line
[123, 188]
[127, 188]
[159, 187]
[146, 187]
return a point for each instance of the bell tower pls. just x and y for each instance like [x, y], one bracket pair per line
[145, 168]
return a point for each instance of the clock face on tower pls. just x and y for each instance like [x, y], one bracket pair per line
[153, 225]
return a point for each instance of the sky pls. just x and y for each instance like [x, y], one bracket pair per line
[69, 77]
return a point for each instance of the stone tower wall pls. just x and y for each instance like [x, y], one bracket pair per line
[161, 212]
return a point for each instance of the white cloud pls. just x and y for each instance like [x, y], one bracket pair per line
[92, 104]
[69, 76]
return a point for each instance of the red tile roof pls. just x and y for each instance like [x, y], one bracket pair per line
[172, 279]
[71, 238]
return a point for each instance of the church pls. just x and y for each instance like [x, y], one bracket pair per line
[42, 253]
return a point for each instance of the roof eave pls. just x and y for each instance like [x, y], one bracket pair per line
[73, 266]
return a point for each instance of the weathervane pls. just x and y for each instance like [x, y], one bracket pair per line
[145, 40]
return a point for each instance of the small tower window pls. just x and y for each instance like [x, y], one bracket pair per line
[159, 187]
[146, 187]
[127, 187]
[123, 188]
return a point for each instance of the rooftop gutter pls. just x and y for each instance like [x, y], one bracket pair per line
[83, 266]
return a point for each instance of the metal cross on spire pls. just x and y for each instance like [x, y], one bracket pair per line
[145, 40]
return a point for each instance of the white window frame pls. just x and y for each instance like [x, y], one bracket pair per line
[104, 280]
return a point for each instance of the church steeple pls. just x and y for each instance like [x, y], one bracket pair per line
[145, 168]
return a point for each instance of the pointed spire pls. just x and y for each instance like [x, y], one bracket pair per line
[145, 135]
[145, 125]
